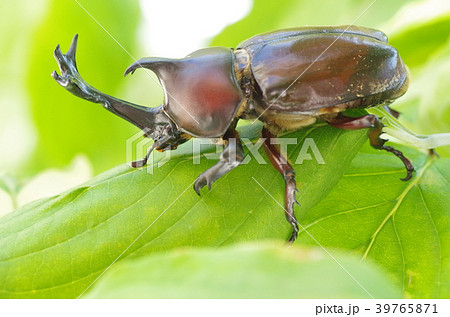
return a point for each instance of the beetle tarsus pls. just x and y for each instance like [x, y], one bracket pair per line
[231, 157]
[406, 162]
[200, 182]
[294, 234]
[143, 162]
[139, 163]
[290, 202]
[375, 130]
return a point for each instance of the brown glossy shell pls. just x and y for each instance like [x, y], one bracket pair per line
[304, 70]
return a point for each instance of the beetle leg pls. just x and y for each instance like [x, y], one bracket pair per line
[288, 173]
[143, 162]
[374, 124]
[166, 136]
[231, 157]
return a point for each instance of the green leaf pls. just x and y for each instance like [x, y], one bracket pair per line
[56, 248]
[405, 227]
[244, 271]
[67, 125]
[431, 34]
[59, 246]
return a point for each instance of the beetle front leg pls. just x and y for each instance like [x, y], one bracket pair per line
[374, 124]
[288, 173]
[231, 157]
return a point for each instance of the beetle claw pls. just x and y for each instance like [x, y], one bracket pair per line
[199, 184]
[138, 164]
[201, 181]
[408, 175]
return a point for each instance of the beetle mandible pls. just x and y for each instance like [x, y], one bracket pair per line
[288, 79]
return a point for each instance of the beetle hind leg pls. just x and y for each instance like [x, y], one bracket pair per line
[374, 124]
[288, 173]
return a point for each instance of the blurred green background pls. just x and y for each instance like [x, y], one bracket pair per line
[43, 127]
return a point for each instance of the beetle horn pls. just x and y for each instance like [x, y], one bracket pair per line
[72, 50]
[143, 117]
[156, 64]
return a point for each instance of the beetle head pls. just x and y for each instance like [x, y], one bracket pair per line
[161, 128]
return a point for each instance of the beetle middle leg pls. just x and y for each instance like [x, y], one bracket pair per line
[374, 124]
[231, 157]
[288, 173]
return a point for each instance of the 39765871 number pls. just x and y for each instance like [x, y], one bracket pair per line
[406, 308]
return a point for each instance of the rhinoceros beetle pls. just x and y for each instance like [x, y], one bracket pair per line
[288, 79]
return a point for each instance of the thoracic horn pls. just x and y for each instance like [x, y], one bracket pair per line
[158, 65]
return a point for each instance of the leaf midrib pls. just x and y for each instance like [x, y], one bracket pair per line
[400, 199]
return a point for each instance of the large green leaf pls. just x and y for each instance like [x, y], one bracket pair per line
[57, 247]
[405, 227]
[244, 271]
